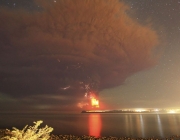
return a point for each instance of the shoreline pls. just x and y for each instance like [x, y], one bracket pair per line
[5, 132]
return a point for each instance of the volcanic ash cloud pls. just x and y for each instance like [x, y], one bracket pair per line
[68, 43]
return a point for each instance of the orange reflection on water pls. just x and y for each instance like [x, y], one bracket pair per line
[95, 125]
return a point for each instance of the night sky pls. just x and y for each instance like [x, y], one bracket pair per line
[55, 53]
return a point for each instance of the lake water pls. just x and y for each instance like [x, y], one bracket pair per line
[118, 125]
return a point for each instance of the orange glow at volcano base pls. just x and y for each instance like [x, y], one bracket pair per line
[94, 102]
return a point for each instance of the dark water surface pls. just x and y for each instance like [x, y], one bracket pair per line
[118, 125]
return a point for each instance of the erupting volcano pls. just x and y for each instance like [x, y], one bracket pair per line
[94, 103]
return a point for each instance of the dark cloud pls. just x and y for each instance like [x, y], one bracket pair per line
[69, 44]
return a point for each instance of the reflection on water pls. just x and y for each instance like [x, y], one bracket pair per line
[119, 125]
[142, 125]
[159, 125]
[134, 126]
[95, 125]
[173, 124]
[129, 125]
[146, 125]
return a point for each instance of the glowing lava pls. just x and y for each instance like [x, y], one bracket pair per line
[94, 102]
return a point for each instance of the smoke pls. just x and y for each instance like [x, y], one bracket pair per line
[68, 44]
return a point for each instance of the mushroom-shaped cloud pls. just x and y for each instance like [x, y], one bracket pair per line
[69, 43]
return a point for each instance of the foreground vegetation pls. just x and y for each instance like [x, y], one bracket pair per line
[28, 133]
[35, 133]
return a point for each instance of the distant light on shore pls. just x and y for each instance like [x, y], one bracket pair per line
[171, 111]
[140, 110]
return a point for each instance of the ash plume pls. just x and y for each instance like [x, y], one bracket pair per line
[70, 43]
